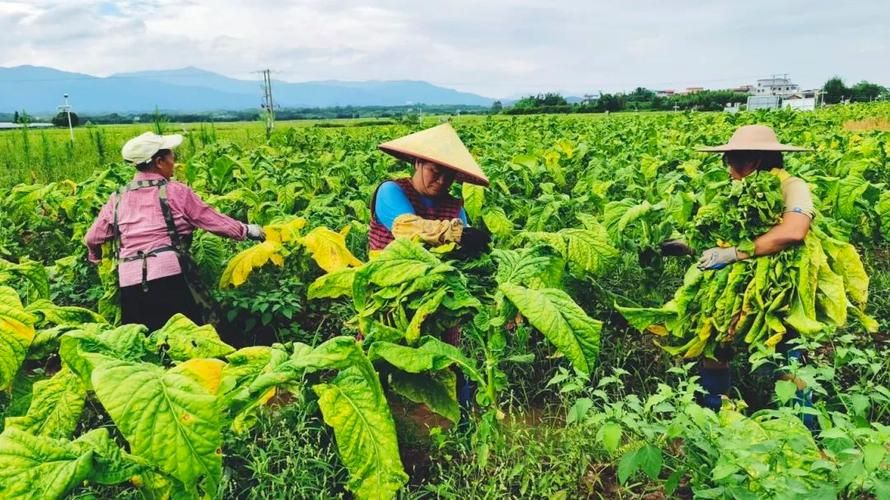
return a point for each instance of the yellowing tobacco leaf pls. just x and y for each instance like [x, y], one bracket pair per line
[205, 371]
[329, 250]
[239, 268]
[16, 334]
[285, 231]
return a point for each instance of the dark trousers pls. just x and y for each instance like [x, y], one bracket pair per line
[153, 308]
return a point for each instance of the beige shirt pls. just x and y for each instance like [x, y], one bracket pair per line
[796, 194]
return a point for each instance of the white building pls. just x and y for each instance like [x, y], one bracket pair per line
[781, 87]
[798, 102]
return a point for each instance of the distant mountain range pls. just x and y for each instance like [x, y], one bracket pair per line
[39, 90]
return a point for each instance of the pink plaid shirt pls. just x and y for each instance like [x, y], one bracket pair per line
[143, 228]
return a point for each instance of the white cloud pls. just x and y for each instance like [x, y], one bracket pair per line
[493, 47]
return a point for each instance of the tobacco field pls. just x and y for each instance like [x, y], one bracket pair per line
[327, 375]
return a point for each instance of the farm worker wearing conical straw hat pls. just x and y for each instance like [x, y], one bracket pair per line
[420, 206]
[150, 223]
[755, 148]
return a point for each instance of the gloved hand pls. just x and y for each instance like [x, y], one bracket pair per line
[475, 240]
[255, 232]
[717, 258]
[674, 248]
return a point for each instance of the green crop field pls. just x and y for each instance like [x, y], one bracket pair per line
[580, 338]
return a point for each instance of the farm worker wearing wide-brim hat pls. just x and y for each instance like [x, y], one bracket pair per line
[149, 223]
[421, 206]
[755, 148]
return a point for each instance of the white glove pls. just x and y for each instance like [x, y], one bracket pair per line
[255, 232]
[717, 258]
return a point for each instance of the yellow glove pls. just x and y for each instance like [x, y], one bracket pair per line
[433, 232]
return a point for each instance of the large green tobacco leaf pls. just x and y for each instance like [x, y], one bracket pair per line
[56, 406]
[438, 391]
[561, 320]
[333, 285]
[644, 317]
[497, 222]
[16, 334]
[426, 376]
[473, 198]
[851, 189]
[410, 359]
[185, 340]
[39, 467]
[80, 348]
[334, 354]
[42, 467]
[167, 417]
[354, 405]
[402, 261]
[47, 313]
[586, 249]
[243, 367]
[356, 408]
[535, 267]
[32, 271]
[246, 364]
[426, 308]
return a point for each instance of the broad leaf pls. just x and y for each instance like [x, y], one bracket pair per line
[33, 272]
[205, 371]
[185, 340]
[428, 307]
[437, 390]
[284, 232]
[497, 222]
[56, 406]
[240, 266]
[47, 313]
[16, 334]
[561, 320]
[533, 267]
[473, 197]
[79, 348]
[42, 467]
[329, 250]
[410, 359]
[332, 285]
[167, 418]
[356, 408]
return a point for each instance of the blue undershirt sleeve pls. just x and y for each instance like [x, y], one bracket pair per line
[463, 216]
[391, 203]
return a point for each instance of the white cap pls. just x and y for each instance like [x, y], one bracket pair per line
[140, 149]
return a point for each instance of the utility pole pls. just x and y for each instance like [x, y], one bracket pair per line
[268, 104]
[67, 109]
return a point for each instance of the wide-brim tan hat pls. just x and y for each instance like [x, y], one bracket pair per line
[753, 138]
[442, 146]
[142, 148]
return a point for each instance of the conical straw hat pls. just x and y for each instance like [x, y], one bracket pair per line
[440, 145]
[753, 138]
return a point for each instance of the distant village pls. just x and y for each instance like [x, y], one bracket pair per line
[767, 93]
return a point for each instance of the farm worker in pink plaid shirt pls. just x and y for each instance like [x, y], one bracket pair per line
[150, 222]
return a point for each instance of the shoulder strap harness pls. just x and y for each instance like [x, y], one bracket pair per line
[176, 244]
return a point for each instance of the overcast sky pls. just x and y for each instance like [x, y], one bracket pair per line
[496, 48]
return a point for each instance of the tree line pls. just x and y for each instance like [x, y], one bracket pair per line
[641, 99]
